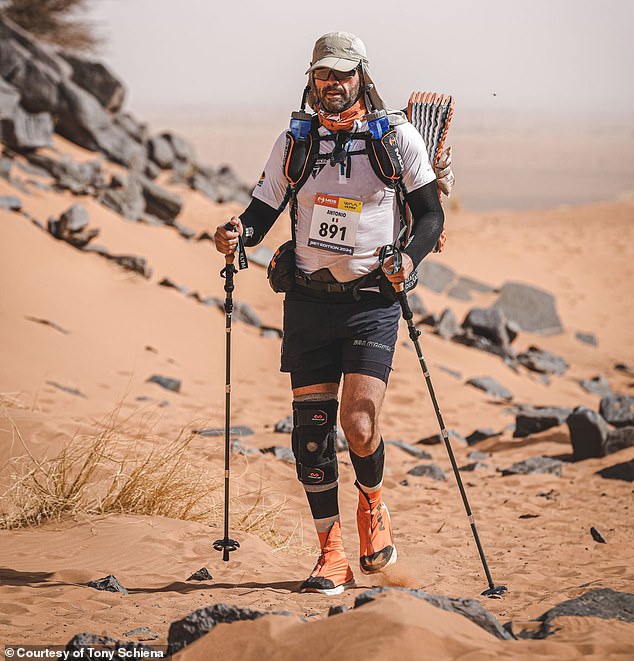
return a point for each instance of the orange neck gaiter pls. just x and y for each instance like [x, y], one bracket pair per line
[345, 120]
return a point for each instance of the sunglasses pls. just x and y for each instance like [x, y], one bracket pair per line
[323, 73]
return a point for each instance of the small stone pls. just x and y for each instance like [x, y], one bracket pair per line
[454, 373]
[533, 420]
[618, 410]
[482, 434]
[534, 465]
[491, 387]
[109, 584]
[428, 470]
[282, 453]
[597, 536]
[435, 276]
[543, 362]
[284, 426]
[142, 634]
[416, 304]
[597, 385]
[336, 610]
[447, 326]
[201, 575]
[410, 449]
[476, 465]
[626, 369]
[261, 256]
[587, 338]
[10, 202]
[476, 455]
[165, 382]
[435, 439]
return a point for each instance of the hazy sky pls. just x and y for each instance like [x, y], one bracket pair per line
[491, 54]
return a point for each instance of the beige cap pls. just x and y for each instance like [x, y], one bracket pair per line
[341, 51]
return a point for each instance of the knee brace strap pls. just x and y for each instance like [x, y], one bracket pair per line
[313, 441]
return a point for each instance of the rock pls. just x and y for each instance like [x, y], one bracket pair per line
[10, 202]
[131, 263]
[597, 385]
[476, 455]
[182, 149]
[435, 276]
[71, 391]
[165, 382]
[85, 645]
[534, 310]
[5, 166]
[160, 202]
[80, 178]
[618, 410]
[134, 128]
[410, 449]
[481, 435]
[469, 608]
[460, 291]
[588, 433]
[542, 361]
[597, 536]
[476, 465]
[98, 80]
[587, 338]
[336, 610]
[416, 304]
[238, 448]
[489, 323]
[166, 282]
[25, 131]
[470, 339]
[161, 152]
[491, 387]
[184, 231]
[125, 196]
[453, 373]
[534, 465]
[284, 426]
[605, 603]
[428, 470]
[435, 439]
[341, 442]
[202, 621]
[109, 584]
[9, 100]
[237, 431]
[619, 439]
[267, 331]
[534, 420]
[623, 471]
[246, 314]
[201, 575]
[74, 219]
[142, 634]
[281, 452]
[261, 256]
[447, 325]
[626, 369]
[152, 170]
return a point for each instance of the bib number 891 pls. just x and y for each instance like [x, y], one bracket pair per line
[325, 229]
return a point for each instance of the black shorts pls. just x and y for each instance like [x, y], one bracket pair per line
[325, 338]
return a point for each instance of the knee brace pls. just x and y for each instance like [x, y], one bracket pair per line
[314, 441]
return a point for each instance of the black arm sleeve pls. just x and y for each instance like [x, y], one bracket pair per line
[428, 220]
[257, 219]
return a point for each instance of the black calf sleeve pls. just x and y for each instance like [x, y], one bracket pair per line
[369, 470]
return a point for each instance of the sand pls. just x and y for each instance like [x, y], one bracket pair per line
[118, 329]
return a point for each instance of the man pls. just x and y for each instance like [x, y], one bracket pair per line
[337, 324]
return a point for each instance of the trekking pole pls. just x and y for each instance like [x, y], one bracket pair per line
[226, 545]
[390, 251]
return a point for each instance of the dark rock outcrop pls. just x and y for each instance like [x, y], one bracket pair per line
[588, 433]
[83, 645]
[202, 621]
[469, 608]
[623, 471]
[619, 439]
[534, 420]
[428, 470]
[96, 78]
[489, 323]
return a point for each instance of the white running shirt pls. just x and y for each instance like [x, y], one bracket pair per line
[345, 212]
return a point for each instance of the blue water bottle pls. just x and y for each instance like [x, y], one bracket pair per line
[378, 123]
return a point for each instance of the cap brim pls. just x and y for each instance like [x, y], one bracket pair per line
[336, 63]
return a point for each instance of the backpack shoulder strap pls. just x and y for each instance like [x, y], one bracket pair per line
[300, 155]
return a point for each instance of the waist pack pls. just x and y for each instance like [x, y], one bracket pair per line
[281, 269]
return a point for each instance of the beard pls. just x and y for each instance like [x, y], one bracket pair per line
[348, 97]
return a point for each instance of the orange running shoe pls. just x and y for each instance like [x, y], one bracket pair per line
[332, 574]
[377, 550]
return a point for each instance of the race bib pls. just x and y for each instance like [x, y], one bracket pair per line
[334, 223]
